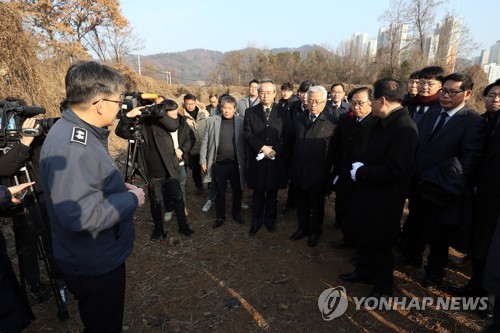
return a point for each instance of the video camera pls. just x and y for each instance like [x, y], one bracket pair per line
[13, 112]
[132, 100]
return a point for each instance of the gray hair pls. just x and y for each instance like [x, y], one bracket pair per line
[317, 89]
[267, 81]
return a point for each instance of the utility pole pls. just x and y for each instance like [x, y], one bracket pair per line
[168, 78]
[139, 62]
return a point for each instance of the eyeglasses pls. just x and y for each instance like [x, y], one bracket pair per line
[451, 93]
[120, 103]
[357, 103]
[337, 92]
[430, 84]
[313, 102]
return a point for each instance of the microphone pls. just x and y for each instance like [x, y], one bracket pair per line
[32, 110]
[149, 96]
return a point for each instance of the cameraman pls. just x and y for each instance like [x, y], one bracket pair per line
[10, 164]
[160, 159]
[15, 312]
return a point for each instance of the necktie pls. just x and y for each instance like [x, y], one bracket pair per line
[267, 112]
[440, 124]
[313, 118]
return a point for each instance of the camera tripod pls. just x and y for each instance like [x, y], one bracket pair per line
[134, 148]
[37, 226]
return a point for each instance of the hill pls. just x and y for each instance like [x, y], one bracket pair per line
[194, 66]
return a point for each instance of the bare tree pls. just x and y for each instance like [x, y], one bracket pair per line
[422, 20]
[398, 42]
[63, 26]
[113, 42]
[228, 71]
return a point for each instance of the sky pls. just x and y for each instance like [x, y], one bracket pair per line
[226, 25]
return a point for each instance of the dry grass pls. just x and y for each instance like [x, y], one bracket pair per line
[182, 284]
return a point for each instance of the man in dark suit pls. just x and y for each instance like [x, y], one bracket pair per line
[267, 132]
[312, 164]
[287, 95]
[488, 194]
[350, 140]
[300, 106]
[450, 147]
[382, 178]
[294, 109]
[427, 99]
[338, 105]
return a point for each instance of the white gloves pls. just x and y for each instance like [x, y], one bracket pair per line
[261, 155]
[355, 167]
[336, 180]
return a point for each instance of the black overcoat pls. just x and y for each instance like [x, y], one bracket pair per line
[382, 183]
[488, 198]
[350, 140]
[163, 141]
[266, 174]
[313, 150]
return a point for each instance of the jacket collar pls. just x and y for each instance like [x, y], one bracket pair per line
[101, 133]
[395, 114]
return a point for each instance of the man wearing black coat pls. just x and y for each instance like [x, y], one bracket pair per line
[312, 164]
[27, 150]
[295, 109]
[488, 195]
[350, 140]
[267, 133]
[451, 144]
[381, 179]
[160, 162]
[337, 106]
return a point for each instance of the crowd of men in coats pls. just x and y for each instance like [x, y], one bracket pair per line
[390, 144]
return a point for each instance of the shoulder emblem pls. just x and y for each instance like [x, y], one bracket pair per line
[79, 135]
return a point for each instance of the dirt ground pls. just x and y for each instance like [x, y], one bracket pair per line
[183, 284]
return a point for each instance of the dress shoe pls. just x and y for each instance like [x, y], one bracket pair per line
[244, 205]
[238, 219]
[253, 230]
[299, 234]
[271, 227]
[461, 291]
[374, 298]
[486, 313]
[341, 243]
[431, 283]
[218, 223]
[157, 233]
[313, 240]
[409, 262]
[354, 277]
[186, 230]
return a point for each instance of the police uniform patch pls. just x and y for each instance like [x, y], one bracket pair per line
[79, 135]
